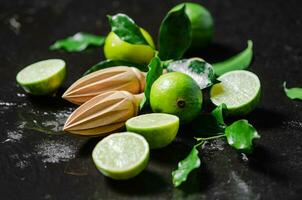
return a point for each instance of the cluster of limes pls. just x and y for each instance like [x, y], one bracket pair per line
[202, 34]
[175, 97]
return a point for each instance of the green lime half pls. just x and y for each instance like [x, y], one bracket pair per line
[159, 129]
[239, 90]
[121, 155]
[42, 78]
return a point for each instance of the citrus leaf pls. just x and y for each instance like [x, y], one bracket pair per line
[112, 63]
[218, 114]
[185, 167]
[240, 135]
[155, 71]
[293, 93]
[201, 71]
[126, 29]
[240, 61]
[143, 103]
[210, 124]
[78, 42]
[175, 35]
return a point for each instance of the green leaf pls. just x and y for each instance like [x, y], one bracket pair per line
[78, 42]
[143, 103]
[185, 166]
[240, 135]
[212, 124]
[112, 63]
[218, 114]
[293, 93]
[126, 29]
[201, 71]
[175, 35]
[155, 71]
[240, 61]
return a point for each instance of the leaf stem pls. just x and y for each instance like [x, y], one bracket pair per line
[200, 143]
[210, 138]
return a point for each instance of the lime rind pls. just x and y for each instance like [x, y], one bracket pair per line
[240, 90]
[43, 77]
[126, 172]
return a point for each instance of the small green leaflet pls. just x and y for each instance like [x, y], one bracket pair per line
[293, 93]
[206, 125]
[175, 35]
[126, 29]
[112, 63]
[185, 166]
[201, 71]
[240, 61]
[240, 135]
[78, 42]
[218, 114]
[155, 71]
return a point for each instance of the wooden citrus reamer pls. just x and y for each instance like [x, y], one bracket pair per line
[104, 113]
[110, 79]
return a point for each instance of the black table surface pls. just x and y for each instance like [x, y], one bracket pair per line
[39, 161]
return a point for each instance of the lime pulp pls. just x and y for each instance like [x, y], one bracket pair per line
[239, 90]
[121, 155]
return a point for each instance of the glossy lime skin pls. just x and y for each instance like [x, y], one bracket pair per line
[117, 49]
[177, 94]
[201, 23]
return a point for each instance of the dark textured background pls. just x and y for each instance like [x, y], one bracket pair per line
[274, 171]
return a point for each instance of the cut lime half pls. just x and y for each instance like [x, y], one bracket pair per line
[239, 90]
[42, 78]
[159, 129]
[121, 155]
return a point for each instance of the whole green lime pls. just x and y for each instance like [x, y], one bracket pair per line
[177, 94]
[117, 49]
[201, 23]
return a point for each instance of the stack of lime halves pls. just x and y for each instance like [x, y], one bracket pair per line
[135, 75]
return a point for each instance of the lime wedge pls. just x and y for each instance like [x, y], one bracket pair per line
[239, 90]
[159, 129]
[42, 78]
[121, 155]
